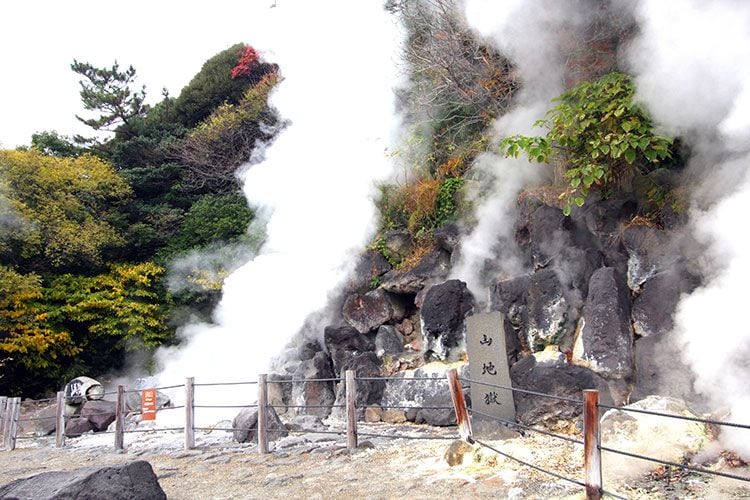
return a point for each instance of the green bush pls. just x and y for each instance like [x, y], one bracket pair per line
[598, 133]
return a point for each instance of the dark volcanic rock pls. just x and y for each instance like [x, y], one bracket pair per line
[369, 392]
[648, 253]
[370, 267]
[342, 342]
[388, 341]
[245, 425]
[100, 413]
[433, 266]
[445, 306]
[448, 237]
[555, 378]
[660, 370]
[549, 315]
[606, 336]
[398, 243]
[314, 393]
[654, 308]
[369, 311]
[134, 480]
[509, 297]
[77, 425]
[603, 219]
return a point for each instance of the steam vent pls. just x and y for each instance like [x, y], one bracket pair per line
[496, 246]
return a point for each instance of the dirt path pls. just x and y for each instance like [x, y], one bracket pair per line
[319, 466]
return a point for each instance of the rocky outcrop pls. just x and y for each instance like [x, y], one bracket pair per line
[369, 270]
[388, 341]
[77, 425]
[316, 394]
[245, 426]
[443, 311]
[432, 267]
[556, 378]
[100, 413]
[649, 253]
[654, 308]
[118, 482]
[605, 342]
[344, 342]
[369, 392]
[366, 312]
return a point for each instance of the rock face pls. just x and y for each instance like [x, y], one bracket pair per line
[433, 266]
[445, 306]
[606, 337]
[344, 342]
[556, 378]
[371, 266]
[40, 422]
[388, 341]
[369, 392]
[77, 425]
[122, 482]
[648, 253]
[314, 393]
[367, 312]
[245, 426]
[403, 392]
[548, 311]
[654, 307]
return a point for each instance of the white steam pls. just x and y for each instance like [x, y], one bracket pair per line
[529, 33]
[692, 61]
[316, 183]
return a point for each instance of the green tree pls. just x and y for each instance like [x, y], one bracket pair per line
[53, 144]
[108, 91]
[213, 219]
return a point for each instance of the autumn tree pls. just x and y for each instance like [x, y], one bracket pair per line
[67, 208]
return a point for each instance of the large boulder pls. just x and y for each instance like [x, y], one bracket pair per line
[77, 425]
[366, 312]
[509, 297]
[317, 394]
[245, 425]
[549, 314]
[133, 400]
[371, 266]
[654, 308]
[660, 370]
[388, 341]
[603, 219]
[605, 340]
[433, 266]
[398, 243]
[649, 253]
[134, 480]
[343, 342]
[369, 392]
[663, 438]
[427, 387]
[443, 311]
[100, 413]
[556, 378]
[38, 421]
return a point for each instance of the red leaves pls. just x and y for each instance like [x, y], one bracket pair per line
[247, 61]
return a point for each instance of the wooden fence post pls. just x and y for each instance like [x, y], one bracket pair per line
[60, 420]
[189, 413]
[351, 410]
[592, 459]
[262, 415]
[459, 403]
[3, 411]
[119, 418]
[13, 424]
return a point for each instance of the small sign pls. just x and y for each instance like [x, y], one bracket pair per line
[488, 363]
[148, 404]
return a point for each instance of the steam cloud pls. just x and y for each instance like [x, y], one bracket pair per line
[315, 186]
[528, 33]
[692, 61]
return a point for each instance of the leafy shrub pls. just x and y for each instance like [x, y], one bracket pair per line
[598, 133]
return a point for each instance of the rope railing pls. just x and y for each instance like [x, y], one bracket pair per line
[590, 442]
[523, 391]
[525, 427]
[692, 468]
[679, 417]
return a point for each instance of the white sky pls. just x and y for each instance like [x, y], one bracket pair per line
[166, 42]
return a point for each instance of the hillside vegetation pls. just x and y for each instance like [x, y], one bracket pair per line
[89, 229]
